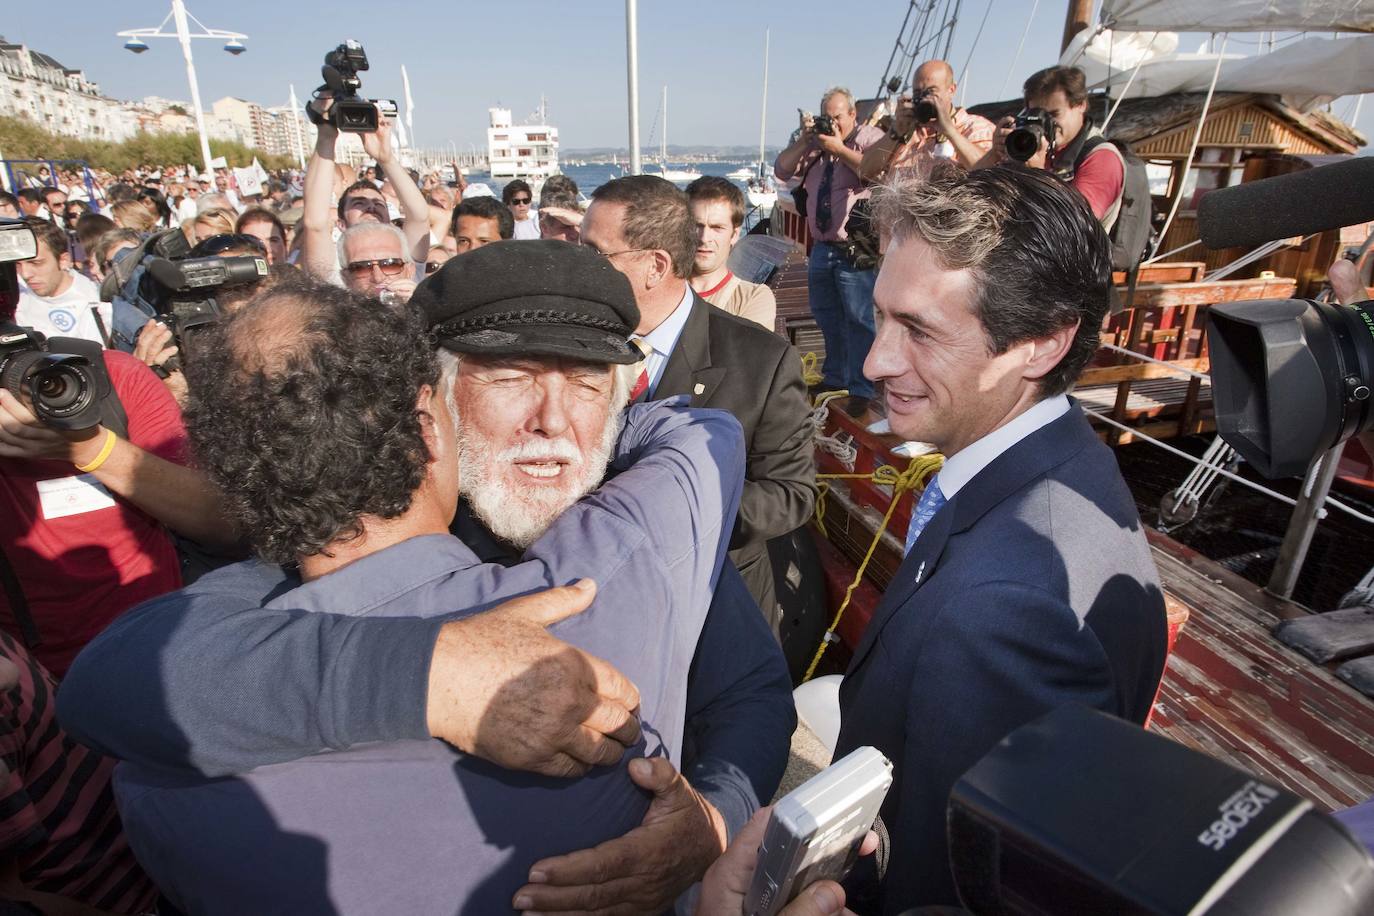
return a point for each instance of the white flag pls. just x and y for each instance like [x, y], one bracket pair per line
[410, 103]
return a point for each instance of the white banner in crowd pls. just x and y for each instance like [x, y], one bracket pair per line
[248, 181]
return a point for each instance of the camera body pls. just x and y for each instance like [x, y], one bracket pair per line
[823, 125]
[157, 280]
[350, 113]
[64, 389]
[187, 301]
[925, 108]
[1032, 125]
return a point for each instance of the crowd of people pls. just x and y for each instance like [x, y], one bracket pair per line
[434, 572]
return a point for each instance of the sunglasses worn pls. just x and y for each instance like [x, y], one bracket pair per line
[432, 266]
[390, 267]
[520, 201]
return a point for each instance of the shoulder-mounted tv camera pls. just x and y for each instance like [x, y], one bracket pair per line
[158, 280]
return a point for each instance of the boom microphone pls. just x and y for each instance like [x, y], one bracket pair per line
[1300, 203]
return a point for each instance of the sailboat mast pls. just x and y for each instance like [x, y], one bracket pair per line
[1078, 18]
[663, 140]
[763, 115]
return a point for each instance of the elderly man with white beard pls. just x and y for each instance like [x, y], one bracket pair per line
[536, 401]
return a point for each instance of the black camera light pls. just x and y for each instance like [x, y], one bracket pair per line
[1290, 378]
[1081, 812]
[63, 388]
[1032, 125]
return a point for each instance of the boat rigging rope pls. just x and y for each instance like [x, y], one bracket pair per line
[918, 471]
[1355, 513]
[1192, 151]
[1122, 97]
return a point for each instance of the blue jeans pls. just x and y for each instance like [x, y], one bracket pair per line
[842, 304]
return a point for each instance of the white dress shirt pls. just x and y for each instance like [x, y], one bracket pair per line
[663, 339]
[962, 467]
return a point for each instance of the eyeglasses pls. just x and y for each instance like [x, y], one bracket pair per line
[390, 267]
[520, 201]
[610, 254]
[432, 266]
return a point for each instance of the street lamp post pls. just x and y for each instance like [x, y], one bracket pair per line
[233, 45]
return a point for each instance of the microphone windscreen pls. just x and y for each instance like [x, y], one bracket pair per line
[1299, 203]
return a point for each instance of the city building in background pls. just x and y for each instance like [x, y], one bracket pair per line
[35, 86]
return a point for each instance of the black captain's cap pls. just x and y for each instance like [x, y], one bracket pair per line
[520, 298]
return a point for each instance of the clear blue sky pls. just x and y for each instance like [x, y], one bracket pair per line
[464, 57]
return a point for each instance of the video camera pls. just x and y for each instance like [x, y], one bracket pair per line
[157, 280]
[1032, 125]
[1291, 378]
[350, 112]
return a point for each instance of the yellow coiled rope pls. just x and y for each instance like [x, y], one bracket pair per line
[919, 470]
[811, 370]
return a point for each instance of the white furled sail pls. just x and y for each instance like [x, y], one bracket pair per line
[1238, 16]
[1307, 73]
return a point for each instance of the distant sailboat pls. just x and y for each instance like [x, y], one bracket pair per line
[762, 193]
[675, 175]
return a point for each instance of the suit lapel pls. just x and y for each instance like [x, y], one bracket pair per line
[1008, 473]
[916, 569]
[689, 365]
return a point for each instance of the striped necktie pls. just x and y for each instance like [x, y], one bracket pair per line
[930, 502]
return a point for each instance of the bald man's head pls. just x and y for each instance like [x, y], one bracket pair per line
[935, 78]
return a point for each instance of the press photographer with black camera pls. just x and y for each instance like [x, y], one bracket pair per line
[1055, 133]
[93, 465]
[824, 161]
[928, 125]
[338, 107]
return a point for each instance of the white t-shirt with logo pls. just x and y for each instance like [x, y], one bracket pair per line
[67, 315]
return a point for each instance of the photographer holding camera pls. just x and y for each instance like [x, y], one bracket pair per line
[92, 467]
[825, 157]
[1066, 141]
[337, 107]
[928, 125]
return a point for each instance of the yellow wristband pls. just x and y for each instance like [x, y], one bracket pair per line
[105, 450]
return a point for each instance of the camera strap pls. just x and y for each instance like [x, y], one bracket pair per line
[100, 325]
[19, 605]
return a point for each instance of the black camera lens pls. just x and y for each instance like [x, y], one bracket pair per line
[823, 125]
[924, 108]
[61, 387]
[1023, 142]
[1291, 378]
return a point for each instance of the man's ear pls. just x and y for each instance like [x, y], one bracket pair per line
[424, 409]
[661, 267]
[64, 260]
[1047, 352]
[734, 239]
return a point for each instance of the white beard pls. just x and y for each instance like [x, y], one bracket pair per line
[520, 514]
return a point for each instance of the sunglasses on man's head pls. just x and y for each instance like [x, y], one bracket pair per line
[521, 201]
[218, 244]
[390, 267]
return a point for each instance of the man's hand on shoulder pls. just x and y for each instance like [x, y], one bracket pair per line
[503, 689]
[643, 871]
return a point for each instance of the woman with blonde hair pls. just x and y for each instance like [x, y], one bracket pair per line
[214, 221]
[135, 215]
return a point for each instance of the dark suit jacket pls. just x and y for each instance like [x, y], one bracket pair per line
[1033, 587]
[755, 375]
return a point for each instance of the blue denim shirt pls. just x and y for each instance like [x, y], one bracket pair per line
[411, 825]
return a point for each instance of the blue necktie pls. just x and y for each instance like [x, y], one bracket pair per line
[930, 502]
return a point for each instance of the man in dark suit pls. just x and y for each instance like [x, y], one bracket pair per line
[1027, 582]
[644, 226]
